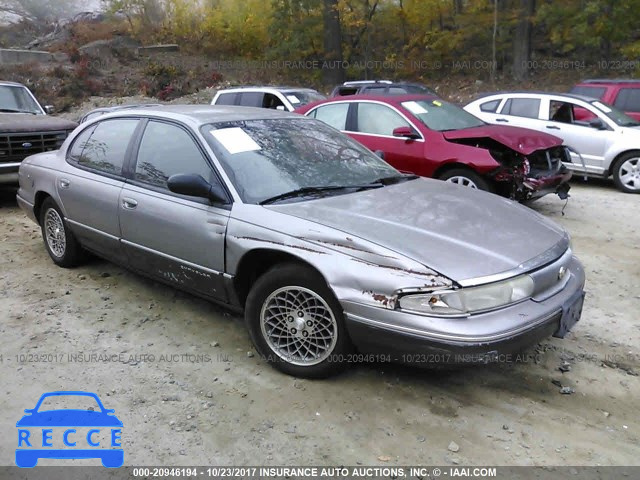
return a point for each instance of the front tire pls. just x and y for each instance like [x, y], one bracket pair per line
[465, 178]
[61, 244]
[296, 323]
[626, 172]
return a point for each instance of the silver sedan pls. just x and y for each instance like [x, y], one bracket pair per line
[326, 248]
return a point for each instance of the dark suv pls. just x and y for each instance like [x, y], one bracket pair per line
[380, 87]
[621, 93]
[25, 129]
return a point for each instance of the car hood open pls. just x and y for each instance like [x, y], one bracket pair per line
[25, 122]
[458, 231]
[522, 140]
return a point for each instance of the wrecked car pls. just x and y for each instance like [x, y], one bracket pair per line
[25, 129]
[326, 248]
[430, 137]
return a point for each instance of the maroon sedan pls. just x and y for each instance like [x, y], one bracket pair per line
[427, 136]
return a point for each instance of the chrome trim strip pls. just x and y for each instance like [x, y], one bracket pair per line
[91, 229]
[10, 164]
[541, 260]
[170, 257]
[454, 338]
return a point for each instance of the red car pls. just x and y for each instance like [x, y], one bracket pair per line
[425, 135]
[623, 94]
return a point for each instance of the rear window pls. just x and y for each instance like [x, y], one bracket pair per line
[593, 92]
[628, 99]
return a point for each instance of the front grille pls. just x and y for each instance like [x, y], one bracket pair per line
[15, 147]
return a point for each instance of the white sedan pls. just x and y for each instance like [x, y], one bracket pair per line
[604, 141]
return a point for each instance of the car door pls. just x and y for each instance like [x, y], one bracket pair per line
[372, 124]
[89, 192]
[589, 142]
[177, 239]
[520, 112]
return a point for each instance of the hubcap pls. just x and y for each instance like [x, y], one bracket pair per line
[630, 173]
[464, 181]
[298, 326]
[54, 233]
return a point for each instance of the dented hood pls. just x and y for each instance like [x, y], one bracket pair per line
[25, 123]
[460, 232]
[522, 140]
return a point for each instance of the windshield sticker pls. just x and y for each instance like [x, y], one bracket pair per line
[293, 99]
[415, 108]
[602, 107]
[235, 140]
[437, 103]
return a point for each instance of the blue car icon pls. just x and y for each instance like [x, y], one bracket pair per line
[54, 433]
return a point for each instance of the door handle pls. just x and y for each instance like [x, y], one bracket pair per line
[129, 203]
[64, 183]
[553, 127]
[502, 120]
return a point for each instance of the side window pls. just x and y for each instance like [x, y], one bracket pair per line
[334, 114]
[628, 99]
[378, 119]
[166, 150]
[562, 112]
[75, 152]
[273, 102]
[226, 99]
[378, 90]
[490, 107]
[251, 99]
[522, 107]
[105, 149]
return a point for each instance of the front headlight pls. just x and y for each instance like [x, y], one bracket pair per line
[465, 301]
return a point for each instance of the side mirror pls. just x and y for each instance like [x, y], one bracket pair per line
[194, 185]
[405, 132]
[49, 109]
[597, 123]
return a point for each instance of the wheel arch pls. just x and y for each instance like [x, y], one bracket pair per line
[257, 261]
[39, 199]
[615, 160]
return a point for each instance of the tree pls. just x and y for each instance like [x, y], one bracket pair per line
[41, 10]
[334, 73]
[522, 39]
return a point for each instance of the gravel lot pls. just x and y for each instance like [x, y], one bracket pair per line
[183, 379]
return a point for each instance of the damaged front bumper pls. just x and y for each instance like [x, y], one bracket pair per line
[478, 339]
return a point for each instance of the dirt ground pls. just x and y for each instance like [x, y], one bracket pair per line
[182, 376]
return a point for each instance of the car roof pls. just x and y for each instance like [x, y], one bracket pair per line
[267, 88]
[10, 84]
[584, 98]
[394, 99]
[607, 80]
[201, 114]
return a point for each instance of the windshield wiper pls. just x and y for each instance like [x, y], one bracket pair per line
[12, 110]
[305, 191]
[395, 179]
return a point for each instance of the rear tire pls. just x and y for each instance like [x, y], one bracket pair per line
[626, 172]
[61, 244]
[296, 323]
[466, 178]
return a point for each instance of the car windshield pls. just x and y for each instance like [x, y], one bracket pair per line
[271, 157]
[618, 116]
[441, 116]
[69, 402]
[298, 98]
[17, 99]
